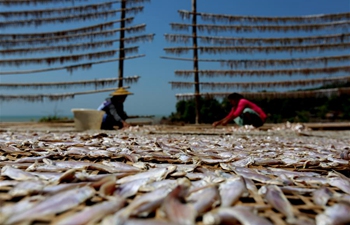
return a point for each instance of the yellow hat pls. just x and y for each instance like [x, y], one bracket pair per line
[121, 91]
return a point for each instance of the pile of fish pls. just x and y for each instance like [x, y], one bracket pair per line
[138, 176]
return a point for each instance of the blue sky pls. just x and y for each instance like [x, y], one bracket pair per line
[153, 94]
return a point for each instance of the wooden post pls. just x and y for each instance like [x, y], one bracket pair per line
[121, 44]
[195, 60]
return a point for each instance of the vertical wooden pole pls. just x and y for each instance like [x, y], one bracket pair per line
[121, 45]
[195, 60]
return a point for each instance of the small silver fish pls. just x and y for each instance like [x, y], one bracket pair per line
[341, 183]
[91, 215]
[141, 206]
[148, 222]
[337, 214]
[26, 187]
[231, 215]
[205, 199]
[131, 188]
[17, 174]
[321, 196]
[176, 211]
[55, 204]
[155, 174]
[231, 190]
[278, 200]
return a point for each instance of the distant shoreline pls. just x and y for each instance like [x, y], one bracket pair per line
[36, 118]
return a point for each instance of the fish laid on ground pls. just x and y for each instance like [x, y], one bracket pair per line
[26, 187]
[31, 159]
[230, 215]
[250, 185]
[274, 196]
[175, 210]
[299, 190]
[242, 162]
[341, 183]
[154, 174]
[9, 149]
[93, 214]
[258, 177]
[337, 214]
[131, 188]
[321, 196]
[17, 174]
[21, 206]
[141, 206]
[54, 204]
[158, 184]
[121, 167]
[148, 222]
[9, 183]
[205, 199]
[53, 189]
[311, 180]
[231, 190]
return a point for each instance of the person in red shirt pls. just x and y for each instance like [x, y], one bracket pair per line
[243, 112]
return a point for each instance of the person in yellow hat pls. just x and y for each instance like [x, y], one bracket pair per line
[115, 115]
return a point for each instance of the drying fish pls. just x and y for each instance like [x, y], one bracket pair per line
[266, 161]
[93, 214]
[8, 183]
[19, 207]
[311, 180]
[299, 190]
[31, 159]
[205, 199]
[259, 177]
[285, 180]
[196, 176]
[54, 189]
[341, 183]
[121, 167]
[16, 174]
[148, 222]
[9, 149]
[321, 196]
[142, 206]
[339, 161]
[154, 174]
[141, 164]
[231, 190]
[291, 174]
[337, 214]
[242, 162]
[278, 200]
[250, 185]
[55, 204]
[99, 153]
[179, 167]
[77, 151]
[158, 184]
[26, 187]
[174, 210]
[231, 215]
[67, 176]
[131, 188]
[48, 176]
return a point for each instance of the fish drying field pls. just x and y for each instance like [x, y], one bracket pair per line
[175, 175]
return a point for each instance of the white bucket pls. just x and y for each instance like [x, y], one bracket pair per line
[87, 119]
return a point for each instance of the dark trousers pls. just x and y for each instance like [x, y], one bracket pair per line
[251, 119]
[109, 123]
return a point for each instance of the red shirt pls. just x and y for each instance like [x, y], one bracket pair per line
[242, 104]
